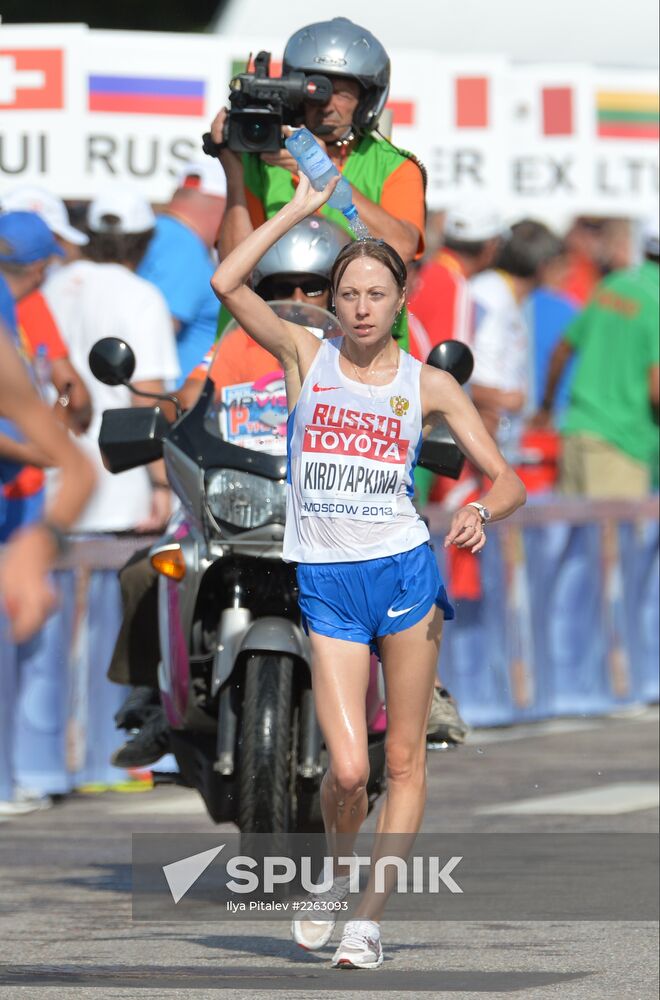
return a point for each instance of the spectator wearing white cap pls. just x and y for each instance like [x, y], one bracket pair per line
[51, 208]
[610, 429]
[501, 379]
[441, 299]
[37, 325]
[102, 296]
[179, 259]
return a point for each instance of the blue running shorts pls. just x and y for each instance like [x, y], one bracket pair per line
[360, 601]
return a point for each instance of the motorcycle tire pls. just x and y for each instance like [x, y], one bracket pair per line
[265, 768]
[308, 816]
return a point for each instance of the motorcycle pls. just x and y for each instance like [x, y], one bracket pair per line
[234, 676]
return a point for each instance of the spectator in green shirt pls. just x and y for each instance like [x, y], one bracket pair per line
[610, 430]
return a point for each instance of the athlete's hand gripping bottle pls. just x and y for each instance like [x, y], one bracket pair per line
[319, 168]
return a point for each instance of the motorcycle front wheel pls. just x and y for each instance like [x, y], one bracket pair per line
[265, 793]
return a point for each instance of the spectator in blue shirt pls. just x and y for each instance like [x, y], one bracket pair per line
[551, 314]
[179, 258]
[26, 247]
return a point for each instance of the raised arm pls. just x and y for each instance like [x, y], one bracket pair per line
[230, 280]
[21, 404]
[442, 397]
[236, 223]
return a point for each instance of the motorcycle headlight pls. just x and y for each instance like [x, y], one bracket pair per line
[245, 500]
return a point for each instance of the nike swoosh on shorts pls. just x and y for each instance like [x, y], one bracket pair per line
[391, 613]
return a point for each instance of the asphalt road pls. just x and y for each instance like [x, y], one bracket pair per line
[65, 889]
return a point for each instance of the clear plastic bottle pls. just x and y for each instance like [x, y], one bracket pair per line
[319, 168]
[42, 371]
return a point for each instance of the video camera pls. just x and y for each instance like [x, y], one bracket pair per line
[261, 105]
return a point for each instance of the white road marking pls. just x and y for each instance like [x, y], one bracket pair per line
[556, 727]
[186, 802]
[526, 731]
[604, 800]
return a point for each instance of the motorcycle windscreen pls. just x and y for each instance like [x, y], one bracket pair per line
[248, 406]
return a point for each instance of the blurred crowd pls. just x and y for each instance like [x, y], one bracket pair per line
[562, 327]
[127, 273]
[564, 330]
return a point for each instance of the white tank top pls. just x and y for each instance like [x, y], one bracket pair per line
[352, 450]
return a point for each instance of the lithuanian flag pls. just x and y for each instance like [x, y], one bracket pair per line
[627, 114]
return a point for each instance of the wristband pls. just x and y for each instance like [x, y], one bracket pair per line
[160, 486]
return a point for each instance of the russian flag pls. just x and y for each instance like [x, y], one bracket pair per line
[146, 95]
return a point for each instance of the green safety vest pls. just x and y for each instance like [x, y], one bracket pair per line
[367, 168]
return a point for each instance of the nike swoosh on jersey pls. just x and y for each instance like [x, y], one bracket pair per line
[323, 388]
[391, 613]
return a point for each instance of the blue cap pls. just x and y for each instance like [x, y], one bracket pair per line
[25, 238]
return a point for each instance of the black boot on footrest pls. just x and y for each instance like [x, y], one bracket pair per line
[149, 743]
[131, 714]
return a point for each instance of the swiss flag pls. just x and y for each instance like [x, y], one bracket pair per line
[31, 78]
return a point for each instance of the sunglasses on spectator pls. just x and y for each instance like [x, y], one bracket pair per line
[284, 289]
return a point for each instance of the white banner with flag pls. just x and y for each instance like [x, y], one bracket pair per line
[79, 107]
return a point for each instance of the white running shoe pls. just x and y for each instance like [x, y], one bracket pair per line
[314, 934]
[360, 946]
[24, 802]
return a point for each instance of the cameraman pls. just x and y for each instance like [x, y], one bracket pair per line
[388, 184]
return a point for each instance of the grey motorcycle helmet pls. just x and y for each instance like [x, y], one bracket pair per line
[309, 248]
[341, 48]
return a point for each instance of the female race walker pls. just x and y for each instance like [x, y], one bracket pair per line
[359, 410]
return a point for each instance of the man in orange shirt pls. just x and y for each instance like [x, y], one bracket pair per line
[239, 359]
[239, 363]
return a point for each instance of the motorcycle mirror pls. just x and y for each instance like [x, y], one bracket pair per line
[454, 357]
[112, 361]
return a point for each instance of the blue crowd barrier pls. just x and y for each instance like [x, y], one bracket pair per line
[56, 704]
[568, 624]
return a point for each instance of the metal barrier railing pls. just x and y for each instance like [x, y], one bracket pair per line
[567, 623]
[109, 551]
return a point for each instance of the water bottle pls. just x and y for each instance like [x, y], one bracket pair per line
[42, 371]
[319, 168]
